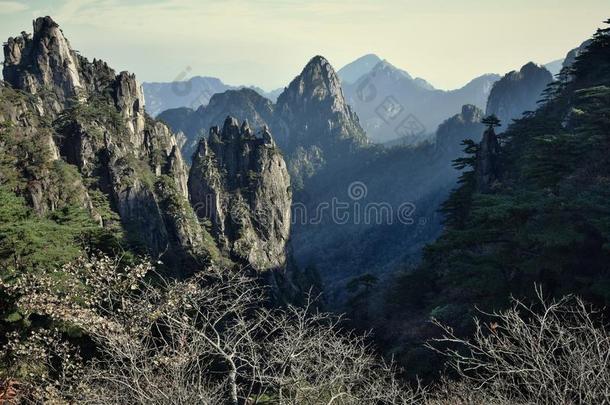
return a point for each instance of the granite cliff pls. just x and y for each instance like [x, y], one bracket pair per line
[89, 120]
[518, 92]
[239, 182]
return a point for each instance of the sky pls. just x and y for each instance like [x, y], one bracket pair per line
[267, 42]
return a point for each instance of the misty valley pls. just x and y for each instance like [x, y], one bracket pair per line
[357, 236]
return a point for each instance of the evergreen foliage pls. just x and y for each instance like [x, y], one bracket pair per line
[548, 220]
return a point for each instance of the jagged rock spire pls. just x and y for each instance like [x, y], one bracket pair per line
[487, 171]
[318, 124]
[42, 60]
[141, 172]
[240, 184]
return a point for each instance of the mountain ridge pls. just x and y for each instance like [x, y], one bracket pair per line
[193, 93]
[96, 130]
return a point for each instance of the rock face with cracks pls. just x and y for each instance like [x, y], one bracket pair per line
[91, 118]
[239, 182]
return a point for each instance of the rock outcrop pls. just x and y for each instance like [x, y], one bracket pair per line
[311, 122]
[29, 157]
[451, 133]
[487, 171]
[240, 183]
[100, 127]
[246, 104]
[518, 92]
[316, 123]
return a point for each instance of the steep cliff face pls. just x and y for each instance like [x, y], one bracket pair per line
[518, 92]
[315, 111]
[312, 123]
[29, 157]
[240, 183]
[94, 120]
[487, 171]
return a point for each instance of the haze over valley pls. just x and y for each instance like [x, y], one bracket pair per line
[268, 228]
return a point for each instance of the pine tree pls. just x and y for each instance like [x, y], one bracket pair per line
[491, 121]
[457, 206]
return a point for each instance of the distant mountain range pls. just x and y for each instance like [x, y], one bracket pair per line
[555, 66]
[353, 71]
[313, 123]
[327, 153]
[393, 107]
[192, 93]
[391, 104]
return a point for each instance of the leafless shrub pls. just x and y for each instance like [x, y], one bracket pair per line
[463, 392]
[209, 340]
[206, 340]
[554, 354]
[210, 333]
[313, 361]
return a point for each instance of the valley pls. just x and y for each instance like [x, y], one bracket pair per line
[355, 237]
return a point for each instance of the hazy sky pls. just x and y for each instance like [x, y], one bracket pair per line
[267, 42]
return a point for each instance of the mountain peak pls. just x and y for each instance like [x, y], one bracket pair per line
[530, 67]
[317, 60]
[369, 57]
[319, 67]
[42, 60]
[43, 25]
[353, 71]
[318, 82]
[517, 92]
[387, 68]
[317, 116]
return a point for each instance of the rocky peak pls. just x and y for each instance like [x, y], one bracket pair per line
[45, 63]
[42, 61]
[101, 129]
[454, 130]
[316, 85]
[239, 182]
[316, 124]
[487, 171]
[517, 92]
